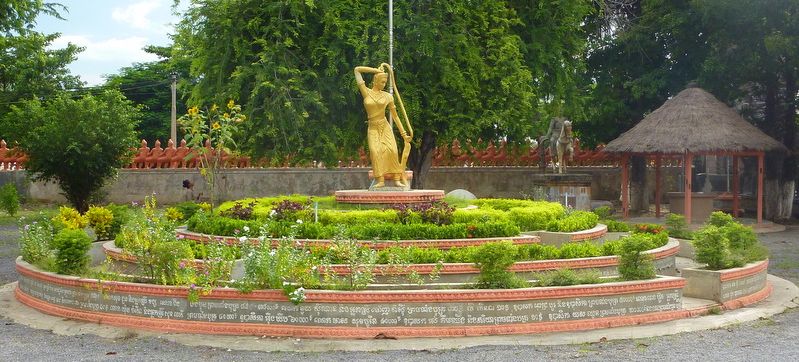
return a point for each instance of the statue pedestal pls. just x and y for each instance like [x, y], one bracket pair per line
[570, 190]
[388, 195]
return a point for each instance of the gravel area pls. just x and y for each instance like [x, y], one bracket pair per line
[772, 339]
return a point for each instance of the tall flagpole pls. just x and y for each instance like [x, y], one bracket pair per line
[391, 49]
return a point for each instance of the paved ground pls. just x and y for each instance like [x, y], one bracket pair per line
[772, 339]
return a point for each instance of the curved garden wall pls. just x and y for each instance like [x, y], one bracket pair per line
[363, 314]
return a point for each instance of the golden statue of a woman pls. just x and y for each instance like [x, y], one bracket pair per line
[383, 150]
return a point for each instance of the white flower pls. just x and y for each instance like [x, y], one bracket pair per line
[242, 239]
[272, 213]
[314, 267]
[299, 221]
[272, 252]
[246, 228]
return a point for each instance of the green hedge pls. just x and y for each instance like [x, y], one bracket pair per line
[537, 216]
[478, 215]
[575, 221]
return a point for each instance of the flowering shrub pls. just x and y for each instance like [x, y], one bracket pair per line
[210, 132]
[100, 219]
[648, 228]
[34, 241]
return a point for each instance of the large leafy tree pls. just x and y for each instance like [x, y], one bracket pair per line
[459, 66]
[77, 143]
[28, 66]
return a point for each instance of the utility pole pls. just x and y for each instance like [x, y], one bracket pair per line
[173, 135]
[391, 50]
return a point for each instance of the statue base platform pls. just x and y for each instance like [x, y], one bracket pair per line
[388, 195]
[569, 189]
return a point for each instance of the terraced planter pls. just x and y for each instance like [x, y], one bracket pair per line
[362, 314]
[664, 259]
[376, 244]
[558, 238]
[739, 286]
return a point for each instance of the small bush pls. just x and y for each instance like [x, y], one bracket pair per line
[538, 252]
[712, 248]
[648, 228]
[494, 259]
[579, 250]
[565, 277]
[507, 204]
[472, 216]
[173, 214]
[575, 221]
[438, 213]
[677, 227]
[9, 199]
[288, 210]
[120, 217]
[188, 209]
[537, 216]
[69, 218]
[720, 219]
[100, 219]
[633, 263]
[240, 211]
[71, 251]
[615, 226]
[603, 213]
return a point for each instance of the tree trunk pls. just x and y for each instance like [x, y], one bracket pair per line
[421, 159]
[780, 178]
[639, 197]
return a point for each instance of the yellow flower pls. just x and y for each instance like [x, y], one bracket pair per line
[230, 104]
[226, 115]
[216, 125]
[214, 107]
[193, 111]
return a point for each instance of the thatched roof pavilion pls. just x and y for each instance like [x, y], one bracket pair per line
[692, 123]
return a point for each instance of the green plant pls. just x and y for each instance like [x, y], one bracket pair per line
[71, 251]
[537, 215]
[712, 248]
[77, 142]
[493, 260]
[677, 227]
[579, 250]
[69, 218]
[575, 221]
[648, 228]
[100, 219]
[633, 263]
[239, 211]
[120, 217]
[615, 226]
[720, 219]
[173, 214]
[603, 212]
[287, 267]
[171, 262]
[9, 199]
[210, 133]
[35, 241]
[187, 209]
[565, 277]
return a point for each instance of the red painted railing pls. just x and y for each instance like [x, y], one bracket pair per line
[454, 155]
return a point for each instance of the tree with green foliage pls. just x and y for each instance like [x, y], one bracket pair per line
[77, 143]
[148, 85]
[29, 66]
[459, 65]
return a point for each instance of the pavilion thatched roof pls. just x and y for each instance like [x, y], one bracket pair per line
[693, 120]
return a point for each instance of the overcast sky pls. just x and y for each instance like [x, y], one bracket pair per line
[112, 31]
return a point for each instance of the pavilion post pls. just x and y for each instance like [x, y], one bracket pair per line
[760, 169]
[688, 160]
[625, 187]
[657, 185]
[735, 187]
